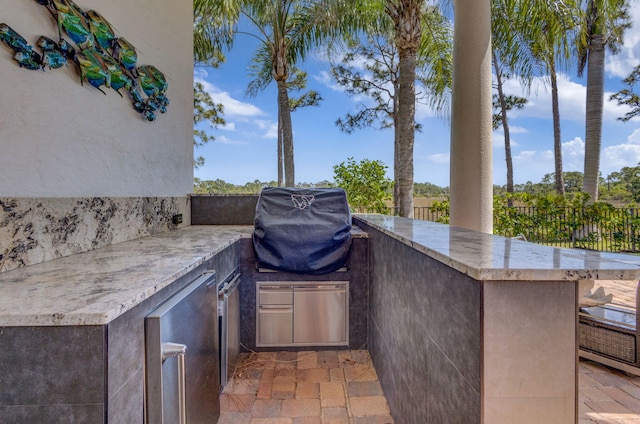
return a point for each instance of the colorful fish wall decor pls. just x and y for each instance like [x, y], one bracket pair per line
[103, 58]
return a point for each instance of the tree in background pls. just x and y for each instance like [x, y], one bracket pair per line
[572, 181]
[407, 41]
[511, 58]
[366, 184]
[263, 76]
[204, 110]
[222, 187]
[210, 35]
[503, 104]
[603, 24]
[368, 70]
[287, 30]
[628, 97]
[629, 177]
[549, 27]
[207, 52]
[411, 36]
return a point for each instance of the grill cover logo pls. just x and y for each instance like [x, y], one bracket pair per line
[302, 201]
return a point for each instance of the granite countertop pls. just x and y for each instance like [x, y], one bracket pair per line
[487, 257]
[95, 287]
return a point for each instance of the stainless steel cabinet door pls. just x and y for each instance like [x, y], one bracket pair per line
[321, 314]
[182, 367]
[275, 325]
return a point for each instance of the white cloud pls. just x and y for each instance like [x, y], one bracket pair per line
[571, 100]
[497, 140]
[621, 155]
[325, 78]
[621, 64]
[573, 155]
[525, 156]
[226, 140]
[441, 158]
[514, 129]
[498, 136]
[232, 107]
[228, 126]
[269, 128]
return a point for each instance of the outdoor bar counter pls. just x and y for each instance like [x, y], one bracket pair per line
[463, 327]
[468, 327]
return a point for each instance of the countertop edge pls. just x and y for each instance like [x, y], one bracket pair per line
[403, 230]
[122, 298]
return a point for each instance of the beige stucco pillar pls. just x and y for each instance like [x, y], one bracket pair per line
[471, 130]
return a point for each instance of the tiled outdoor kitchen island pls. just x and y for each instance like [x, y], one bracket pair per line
[467, 327]
[463, 327]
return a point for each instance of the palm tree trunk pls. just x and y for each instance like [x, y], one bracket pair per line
[406, 132]
[593, 126]
[557, 140]
[406, 16]
[280, 158]
[396, 153]
[505, 128]
[284, 118]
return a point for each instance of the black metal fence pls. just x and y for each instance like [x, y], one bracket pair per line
[604, 229]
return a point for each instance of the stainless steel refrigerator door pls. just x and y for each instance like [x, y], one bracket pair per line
[188, 319]
[321, 314]
[230, 330]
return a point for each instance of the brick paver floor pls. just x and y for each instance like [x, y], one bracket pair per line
[325, 387]
[607, 395]
[342, 387]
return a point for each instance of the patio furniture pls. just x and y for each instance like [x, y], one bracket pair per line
[608, 333]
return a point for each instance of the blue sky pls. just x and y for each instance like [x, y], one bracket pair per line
[245, 148]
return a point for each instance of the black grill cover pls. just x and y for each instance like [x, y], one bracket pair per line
[302, 230]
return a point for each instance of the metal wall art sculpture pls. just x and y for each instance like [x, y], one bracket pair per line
[103, 58]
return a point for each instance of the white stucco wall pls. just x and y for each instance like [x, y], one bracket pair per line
[61, 139]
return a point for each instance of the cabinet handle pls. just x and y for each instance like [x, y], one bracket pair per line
[270, 288]
[170, 350]
[276, 307]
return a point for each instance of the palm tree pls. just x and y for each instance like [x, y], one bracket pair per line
[406, 17]
[510, 59]
[287, 30]
[206, 52]
[417, 30]
[210, 35]
[603, 26]
[550, 44]
[261, 70]
[379, 82]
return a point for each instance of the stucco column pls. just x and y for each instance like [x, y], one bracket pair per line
[471, 126]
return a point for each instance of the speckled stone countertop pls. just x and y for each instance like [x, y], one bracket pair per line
[95, 287]
[492, 258]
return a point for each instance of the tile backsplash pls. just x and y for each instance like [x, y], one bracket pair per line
[34, 230]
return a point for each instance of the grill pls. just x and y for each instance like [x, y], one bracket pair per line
[304, 231]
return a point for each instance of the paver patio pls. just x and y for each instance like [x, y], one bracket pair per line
[332, 387]
[342, 387]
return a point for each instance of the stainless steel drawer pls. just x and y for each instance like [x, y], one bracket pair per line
[275, 295]
[275, 325]
[302, 313]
